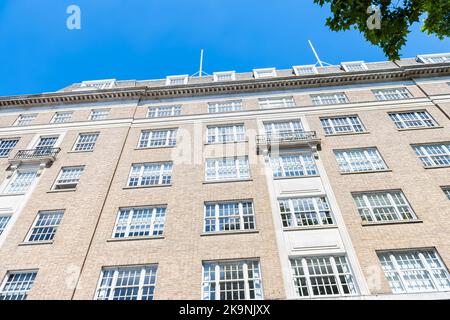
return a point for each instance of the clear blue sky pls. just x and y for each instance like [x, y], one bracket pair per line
[148, 39]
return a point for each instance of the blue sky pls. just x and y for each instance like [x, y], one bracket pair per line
[149, 39]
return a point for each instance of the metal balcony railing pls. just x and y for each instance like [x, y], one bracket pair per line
[39, 155]
[286, 136]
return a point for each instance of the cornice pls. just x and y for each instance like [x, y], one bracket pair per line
[242, 86]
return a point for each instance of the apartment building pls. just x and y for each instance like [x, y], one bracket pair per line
[308, 183]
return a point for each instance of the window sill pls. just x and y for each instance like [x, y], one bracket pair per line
[35, 243]
[86, 151]
[149, 186]
[156, 147]
[11, 194]
[287, 229]
[437, 167]
[346, 134]
[382, 223]
[227, 181]
[419, 128]
[223, 233]
[297, 177]
[62, 190]
[364, 172]
[135, 239]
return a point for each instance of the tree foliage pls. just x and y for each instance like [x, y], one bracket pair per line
[396, 18]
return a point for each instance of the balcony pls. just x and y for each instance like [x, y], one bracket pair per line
[287, 139]
[42, 156]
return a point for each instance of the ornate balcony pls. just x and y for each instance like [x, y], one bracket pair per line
[42, 156]
[287, 139]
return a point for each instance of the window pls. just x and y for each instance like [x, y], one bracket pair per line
[16, 285]
[100, 114]
[25, 119]
[61, 117]
[360, 160]
[434, 58]
[331, 98]
[4, 219]
[127, 283]
[282, 102]
[293, 164]
[225, 106]
[98, 84]
[392, 94]
[227, 169]
[224, 76]
[345, 124]
[45, 225]
[6, 145]
[232, 280]
[140, 222]
[165, 111]
[229, 215]
[354, 66]
[146, 174]
[45, 145]
[21, 181]
[305, 212]
[433, 155]
[158, 138]
[414, 271]
[264, 73]
[86, 142]
[383, 206]
[412, 119]
[68, 178]
[226, 133]
[283, 128]
[177, 80]
[322, 276]
[305, 70]
[445, 189]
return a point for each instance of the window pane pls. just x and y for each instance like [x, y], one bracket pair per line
[360, 160]
[17, 285]
[44, 228]
[6, 145]
[140, 222]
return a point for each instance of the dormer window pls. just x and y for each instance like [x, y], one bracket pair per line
[224, 76]
[177, 80]
[264, 73]
[98, 84]
[434, 58]
[305, 70]
[354, 66]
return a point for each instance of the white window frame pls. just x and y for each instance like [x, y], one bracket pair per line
[184, 78]
[276, 132]
[323, 98]
[216, 265]
[33, 274]
[426, 267]
[141, 171]
[416, 122]
[240, 215]
[331, 125]
[306, 68]
[446, 190]
[5, 218]
[7, 150]
[20, 118]
[66, 115]
[429, 158]
[231, 74]
[170, 138]
[259, 73]
[62, 185]
[276, 102]
[306, 169]
[153, 222]
[368, 209]
[104, 114]
[222, 106]
[390, 94]
[237, 169]
[54, 227]
[13, 179]
[175, 110]
[97, 84]
[80, 143]
[347, 65]
[427, 58]
[301, 261]
[214, 137]
[292, 220]
[113, 286]
[352, 163]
